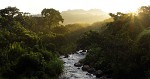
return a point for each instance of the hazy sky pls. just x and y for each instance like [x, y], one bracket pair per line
[35, 6]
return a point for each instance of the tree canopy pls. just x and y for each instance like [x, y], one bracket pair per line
[52, 17]
[122, 49]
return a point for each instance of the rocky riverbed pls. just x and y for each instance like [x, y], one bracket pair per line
[73, 69]
[75, 72]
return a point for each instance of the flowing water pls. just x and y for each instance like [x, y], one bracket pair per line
[72, 72]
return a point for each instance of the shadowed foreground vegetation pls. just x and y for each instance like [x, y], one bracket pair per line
[26, 53]
[122, 50]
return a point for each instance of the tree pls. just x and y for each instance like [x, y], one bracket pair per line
[20, 46]
[7, 16]
[60, 30]
[144, 9]
[144, 15]
[9, 12]
[52, 17]
[117, 16]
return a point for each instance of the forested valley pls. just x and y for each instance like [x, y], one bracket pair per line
[30, 46]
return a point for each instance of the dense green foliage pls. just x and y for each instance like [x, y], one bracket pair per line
[26, 52]
[121, 50]
[30, 46]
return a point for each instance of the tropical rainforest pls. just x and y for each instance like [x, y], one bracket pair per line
[121, 50]
[30, 46]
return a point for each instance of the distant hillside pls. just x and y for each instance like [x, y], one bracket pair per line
[83, 16]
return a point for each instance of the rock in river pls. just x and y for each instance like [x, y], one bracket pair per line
[78, 64]
[91, 70]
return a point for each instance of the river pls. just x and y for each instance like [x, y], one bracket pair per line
[72, 72]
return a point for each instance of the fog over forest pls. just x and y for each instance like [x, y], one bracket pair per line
[82, 16]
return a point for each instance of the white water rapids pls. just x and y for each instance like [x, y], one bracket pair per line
[72, 72]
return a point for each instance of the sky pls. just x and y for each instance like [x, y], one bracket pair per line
[36, 6]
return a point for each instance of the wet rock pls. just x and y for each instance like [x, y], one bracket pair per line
[66, 56]
[83, 53]
[99, 73]
[78, 52]
[88, 74]
[84, 50]
[78, 64]
[72, 59]
[85, 67]
[91, 70]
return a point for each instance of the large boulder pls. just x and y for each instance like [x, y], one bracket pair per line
[99, 73]
[91, 70]
[85, 67]
[78, 64]
[83, 52]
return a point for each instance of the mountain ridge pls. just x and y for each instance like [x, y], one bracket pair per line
[82, 16]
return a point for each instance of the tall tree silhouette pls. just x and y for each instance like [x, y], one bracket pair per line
[7, 15]
[52, 17]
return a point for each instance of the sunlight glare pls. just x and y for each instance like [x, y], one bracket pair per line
[123, 6]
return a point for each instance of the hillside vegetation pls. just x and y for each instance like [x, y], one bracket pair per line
[121, 51]
[83, 16]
